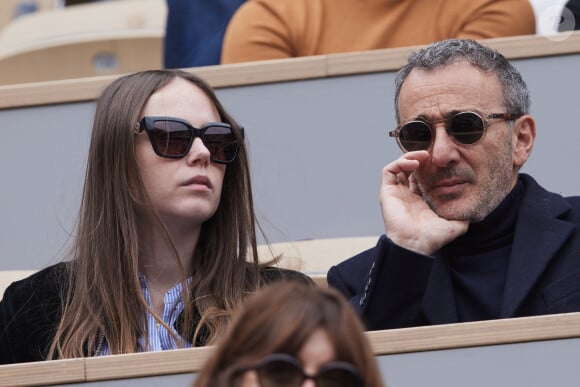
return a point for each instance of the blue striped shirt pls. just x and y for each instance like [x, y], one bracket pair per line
[159, 337]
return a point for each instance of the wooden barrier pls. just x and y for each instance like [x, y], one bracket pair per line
[315, 256]
[403, 356]
[275, 71]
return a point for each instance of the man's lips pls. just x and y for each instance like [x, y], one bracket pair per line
[448, 186]
[448, 183]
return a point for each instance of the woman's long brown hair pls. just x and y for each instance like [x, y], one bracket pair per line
[280, 319]
[103, 300]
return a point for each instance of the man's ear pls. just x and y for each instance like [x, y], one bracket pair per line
[523, 136]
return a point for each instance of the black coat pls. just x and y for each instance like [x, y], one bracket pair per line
[392, 287]
[31, 310]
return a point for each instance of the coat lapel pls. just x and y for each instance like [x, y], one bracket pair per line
[538, 236]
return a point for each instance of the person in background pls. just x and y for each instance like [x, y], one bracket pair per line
[165, 247]
[292, 335]
[468, 237]
[276, 29]
[195, 30]
[571, 10]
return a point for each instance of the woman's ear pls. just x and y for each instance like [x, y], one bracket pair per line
[523, 136]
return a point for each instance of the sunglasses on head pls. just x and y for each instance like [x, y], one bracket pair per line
[172, 138]
[283, 370]
[465, 128]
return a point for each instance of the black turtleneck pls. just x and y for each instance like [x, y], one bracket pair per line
[478, 260]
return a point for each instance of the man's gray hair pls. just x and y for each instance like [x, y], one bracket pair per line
[516, 97]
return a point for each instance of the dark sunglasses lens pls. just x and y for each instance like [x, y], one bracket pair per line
[280, 373]
[415, 135]
[466, 128]
[339, 377]
[171, 138]
[221, 142]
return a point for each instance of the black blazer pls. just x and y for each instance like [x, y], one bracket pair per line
[392, 287]
[31, 310]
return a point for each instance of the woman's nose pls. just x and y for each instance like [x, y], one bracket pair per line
[198, 153]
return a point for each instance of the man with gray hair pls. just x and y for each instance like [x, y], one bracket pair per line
[467, 237]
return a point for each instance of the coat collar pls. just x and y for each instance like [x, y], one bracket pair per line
[540, 232]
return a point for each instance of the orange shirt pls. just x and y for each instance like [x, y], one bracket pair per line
[273, 29]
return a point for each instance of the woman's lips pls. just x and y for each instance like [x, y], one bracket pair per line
[199, 183]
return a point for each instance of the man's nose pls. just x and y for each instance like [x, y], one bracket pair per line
[443, 150]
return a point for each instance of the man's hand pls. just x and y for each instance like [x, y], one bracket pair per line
[409, 221]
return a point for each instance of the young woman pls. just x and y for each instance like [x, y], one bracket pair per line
[291, 335]
[165, 247]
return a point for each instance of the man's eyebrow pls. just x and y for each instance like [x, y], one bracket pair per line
[420, 117]
[446, 116]
[428, 118]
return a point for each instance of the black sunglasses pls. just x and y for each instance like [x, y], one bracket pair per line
[283, 370]
[172, 138]
[463, 127]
